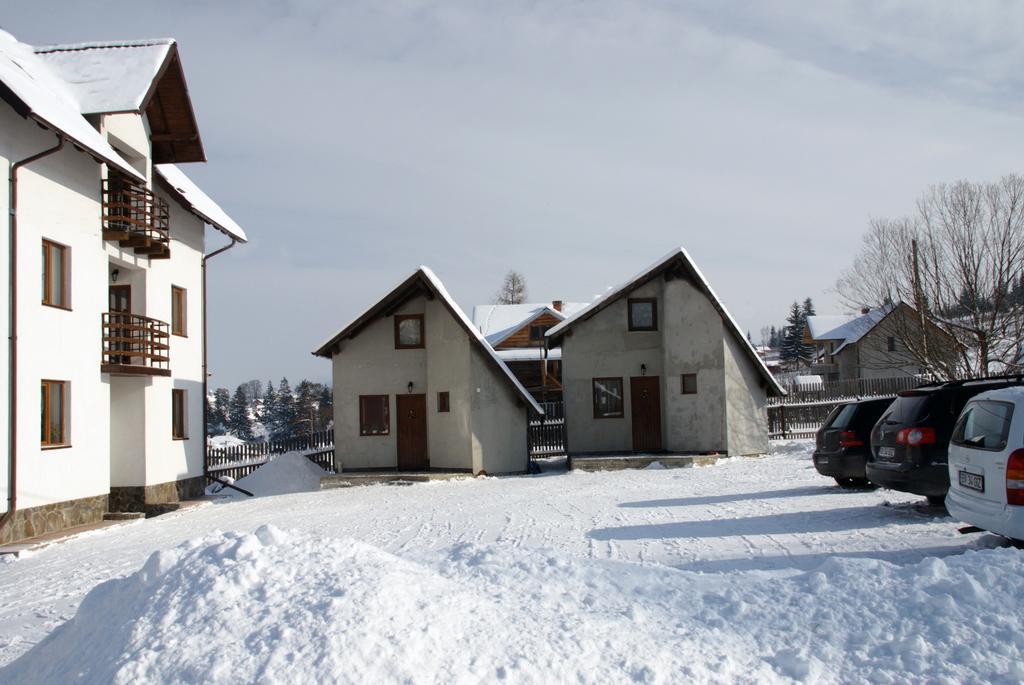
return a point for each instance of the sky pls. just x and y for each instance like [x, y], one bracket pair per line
[576, 142]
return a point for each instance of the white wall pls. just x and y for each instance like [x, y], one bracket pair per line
[499, 421]
[746, 402]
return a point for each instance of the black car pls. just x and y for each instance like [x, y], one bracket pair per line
[909, 444]
[843, 441]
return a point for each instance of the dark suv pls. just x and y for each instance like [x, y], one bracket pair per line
[843, 441]
[910, 441]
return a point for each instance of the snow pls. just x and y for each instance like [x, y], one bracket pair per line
[50, 101]
[199, 202]
[751, 570]
[108, 77]
[283, 475]
[529, 354]
[845, 328]
[223, 441]
[498, 321]
[676, 253]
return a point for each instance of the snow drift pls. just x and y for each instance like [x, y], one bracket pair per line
[284, 474]
[271, 607]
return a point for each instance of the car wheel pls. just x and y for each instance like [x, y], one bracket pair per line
[937, 500]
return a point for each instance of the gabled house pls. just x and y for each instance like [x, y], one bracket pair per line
[516, 332]
[417, 387]
[657, 364]
[106, 364]
[870, 344]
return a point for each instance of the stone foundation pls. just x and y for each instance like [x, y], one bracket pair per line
[50, 518]
[153, 497]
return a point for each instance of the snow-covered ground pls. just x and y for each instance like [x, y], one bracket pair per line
[752, 570]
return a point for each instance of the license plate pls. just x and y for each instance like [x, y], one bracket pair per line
[886, 452]
[974, 481]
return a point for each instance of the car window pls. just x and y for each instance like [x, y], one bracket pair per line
[842, 416]
[870, 411]
[984, 425]
[907, 409]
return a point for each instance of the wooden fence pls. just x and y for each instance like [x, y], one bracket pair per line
[546, 434]
[802, 412]
[239, 461]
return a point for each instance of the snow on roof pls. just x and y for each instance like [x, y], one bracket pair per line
[678, 253]
[199, 202]
[109, 77]
[498, 321]
[846, 328]
[49, 100]
[529, 354]
[438, 287]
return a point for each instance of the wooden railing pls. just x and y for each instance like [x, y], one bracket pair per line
[238, 461]
[134, 344]
[135, 217]
[546, 434]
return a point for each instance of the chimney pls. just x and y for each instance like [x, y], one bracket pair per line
[865, 310]
[557, 304]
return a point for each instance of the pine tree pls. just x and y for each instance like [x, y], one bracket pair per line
[773, 339]
[239, 423]
[792, 334]
[283, 418]
[326, 407]
[217, 412]
[266, 412]
[808, 308]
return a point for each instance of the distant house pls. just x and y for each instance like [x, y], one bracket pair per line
[417, 387]
[867, 345]
[658, 364]
[516, 332]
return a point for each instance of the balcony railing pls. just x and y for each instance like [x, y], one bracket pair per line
[134, 344]
[135, 217]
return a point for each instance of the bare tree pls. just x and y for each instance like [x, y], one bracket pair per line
[513, 289]
[959, 263]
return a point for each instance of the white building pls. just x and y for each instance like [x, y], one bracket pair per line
[104, 373]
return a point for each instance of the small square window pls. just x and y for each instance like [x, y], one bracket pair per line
[643, 314]
[443, 403]
[374, 415]
[890, 343]
[179, 414]
[179, 309]
[607, 398]
[537, 332]
[408, 331]
[54, 413]
[55, 274]
[689, 384]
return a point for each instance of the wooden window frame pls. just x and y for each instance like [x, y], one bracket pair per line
[890, 343]
[45, 441]
[622, 397]
[682, 384]
[387, 416]
[444, 402]
[179, 395]
[653, 301]
[539, 328]
[47, 296]
[179, 295]
[399, 318]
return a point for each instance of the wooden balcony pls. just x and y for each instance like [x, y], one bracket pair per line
[135, 345]
[135, 217]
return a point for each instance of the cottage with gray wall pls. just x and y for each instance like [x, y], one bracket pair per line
[659, 365]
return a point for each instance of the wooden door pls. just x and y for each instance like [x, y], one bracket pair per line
[645, 406]
[412, 432]
[120, 298]
[120, 303]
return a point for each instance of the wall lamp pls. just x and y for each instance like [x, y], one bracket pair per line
[643, 369]
[409, 387]
[114, 274]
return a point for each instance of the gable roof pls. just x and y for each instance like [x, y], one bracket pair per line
[424, 281]
[848, 329]
[32, 89]
[198, 202]
[499, 321]
[677, 259]
[138, 76]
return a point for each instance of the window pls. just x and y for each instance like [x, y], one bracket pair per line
[179, 414]
[643, 314]
[537, 332]
[443, 403]
[55, 275]
[408, 331]
[890, 343]
[54, 414]
[374, 415]
[984, 425]
[689, 384]
[607, 398]
[179, 311]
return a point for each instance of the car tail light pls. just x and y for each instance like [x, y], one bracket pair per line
[850, 439]
[922, 435]
[1015, 478]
